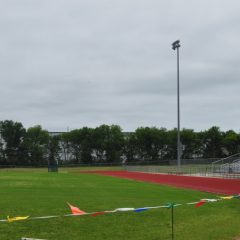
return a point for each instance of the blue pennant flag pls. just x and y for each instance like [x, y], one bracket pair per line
[140, 209]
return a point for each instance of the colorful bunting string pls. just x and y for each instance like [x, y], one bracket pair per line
[78, 212]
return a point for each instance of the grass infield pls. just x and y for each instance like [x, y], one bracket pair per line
[38, 193]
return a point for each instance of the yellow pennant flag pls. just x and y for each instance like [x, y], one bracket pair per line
[227, 197]
[16, 218]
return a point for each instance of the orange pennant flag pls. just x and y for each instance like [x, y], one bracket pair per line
[75, 210]
[199, 204]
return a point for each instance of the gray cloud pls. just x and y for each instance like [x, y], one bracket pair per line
[84, 63]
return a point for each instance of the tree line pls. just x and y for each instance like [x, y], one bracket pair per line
[109, 144]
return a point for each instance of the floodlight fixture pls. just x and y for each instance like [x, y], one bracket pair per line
[176, 44]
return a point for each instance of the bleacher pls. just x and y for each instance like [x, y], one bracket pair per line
[229, 165]
[233, 167]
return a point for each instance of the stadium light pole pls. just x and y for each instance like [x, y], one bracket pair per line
[175, 46]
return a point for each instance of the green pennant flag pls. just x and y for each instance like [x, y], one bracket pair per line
[236, 196]
[170, 205]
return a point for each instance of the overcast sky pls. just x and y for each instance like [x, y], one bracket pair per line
[74, 63]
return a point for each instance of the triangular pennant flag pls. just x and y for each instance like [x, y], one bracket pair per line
[98, 213]
[170, 205]
[140, 209]
[199, 204]
[16, 218]
[209, 200]
[75, 210]
[23, 238]
[124, 209]
[227, 197]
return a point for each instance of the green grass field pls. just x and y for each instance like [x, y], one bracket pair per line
[38, 193]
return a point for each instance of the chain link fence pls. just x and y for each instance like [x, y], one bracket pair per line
[189, 167]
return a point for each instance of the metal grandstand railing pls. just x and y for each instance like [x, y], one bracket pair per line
[224, 168]
[228, 165]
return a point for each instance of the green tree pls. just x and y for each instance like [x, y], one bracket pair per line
[80, 142]
[74, 138]
[2, 153]
[231, 142]
[87, 144]
[212, 139]
[151, 143]
[36, 145]
[171, 152]
[53, 150]
[114, 144]
[12, 134]
[65, 146]
[108, 143]
[100, 141]
[191, 144]
[130, 149]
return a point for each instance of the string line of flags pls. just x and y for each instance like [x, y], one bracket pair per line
[75, 211]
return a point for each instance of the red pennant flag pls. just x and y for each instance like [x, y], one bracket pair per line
[75, 210]
[98, 213]
[199, 204]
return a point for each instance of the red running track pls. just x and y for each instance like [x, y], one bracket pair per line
[213, 185]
